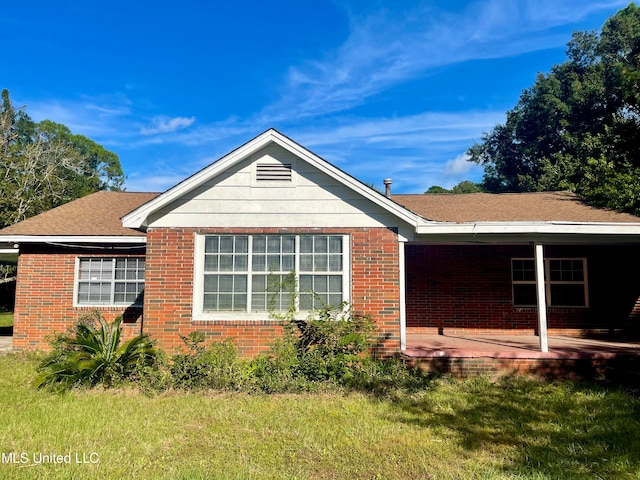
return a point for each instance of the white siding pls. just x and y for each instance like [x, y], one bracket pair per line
[236, 199]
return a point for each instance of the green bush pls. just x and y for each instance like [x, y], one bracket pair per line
[216, 367]
[91, 353]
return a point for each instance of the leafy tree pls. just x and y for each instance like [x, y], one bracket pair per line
[465, 186]
[578, 127]
[43, 165]
[437, 189]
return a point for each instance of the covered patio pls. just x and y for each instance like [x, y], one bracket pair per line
[494, 355]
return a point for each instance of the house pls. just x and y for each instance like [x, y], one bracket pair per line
[204, 255]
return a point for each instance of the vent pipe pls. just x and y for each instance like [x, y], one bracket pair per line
[387, 187]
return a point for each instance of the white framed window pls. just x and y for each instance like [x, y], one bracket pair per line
[565, 282]
[104, 281]
[244, 276]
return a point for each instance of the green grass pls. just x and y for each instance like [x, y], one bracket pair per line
[477, 429]
[6, 319]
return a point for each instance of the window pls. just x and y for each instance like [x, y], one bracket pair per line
[565, 282]
[109, 281]
[248, 273]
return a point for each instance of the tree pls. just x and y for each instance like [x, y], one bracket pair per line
[465, 186]
[43, 165]
[578, 127]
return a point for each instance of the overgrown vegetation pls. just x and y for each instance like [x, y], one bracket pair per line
[515, 428]
[91, 353]
[327, 352]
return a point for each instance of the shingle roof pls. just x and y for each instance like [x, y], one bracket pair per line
[509, 207]
[97, 214]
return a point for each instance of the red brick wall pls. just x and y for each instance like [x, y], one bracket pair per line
[169, 288]
[467, 289]
[44, 295]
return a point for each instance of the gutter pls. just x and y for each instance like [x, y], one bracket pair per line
[481, 228]
[73, 238]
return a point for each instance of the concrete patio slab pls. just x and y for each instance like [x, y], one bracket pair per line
[517, 346]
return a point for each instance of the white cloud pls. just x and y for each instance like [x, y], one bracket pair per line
[387, 47]
[457, 166]
[167, 125]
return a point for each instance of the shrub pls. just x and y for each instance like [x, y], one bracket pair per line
[215, 367]
[334, 343]
[91, 353]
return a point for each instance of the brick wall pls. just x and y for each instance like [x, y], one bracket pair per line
[169, 288]
[44, 295]
[467, 289]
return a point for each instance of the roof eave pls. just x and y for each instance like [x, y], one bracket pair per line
[83, 239]
[551, 228]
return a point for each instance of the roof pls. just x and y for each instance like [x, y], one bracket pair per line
[509, 207]
[97, 214]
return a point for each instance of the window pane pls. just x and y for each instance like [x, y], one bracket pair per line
[321, 263]
[288, 244]
[306, 263]
[241, 263]
[525, 295]
[320, 284]
[335, 263]
[226, 244]
[225, 283]
[225, 263]
[335, 244]
[306, 283]
[211, 244]
[273, 263]
[273, 244]
[288, 263]
[211, 263]
[320, 245]
[335, 283]
[242, 244]
[259, 244]
[306, 244]
[259, 263]
[524, 270]
[567, 295]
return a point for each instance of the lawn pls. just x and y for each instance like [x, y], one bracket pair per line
[477, 429]
[6, 319]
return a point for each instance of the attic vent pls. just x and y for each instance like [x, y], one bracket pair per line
[273, 172]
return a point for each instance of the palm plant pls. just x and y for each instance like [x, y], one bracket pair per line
[91, 354]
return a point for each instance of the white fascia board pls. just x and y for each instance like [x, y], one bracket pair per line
[72, 239]
[479, 228]
[138, 218]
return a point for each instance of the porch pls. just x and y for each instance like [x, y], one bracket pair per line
[567, 357]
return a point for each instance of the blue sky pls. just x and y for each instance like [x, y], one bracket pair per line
[381, 89]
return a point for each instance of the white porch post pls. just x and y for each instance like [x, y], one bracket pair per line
[542, 297]
[403, 310]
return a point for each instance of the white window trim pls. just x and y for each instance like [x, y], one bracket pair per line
[198, 313]
[548, 282]
[112, 303]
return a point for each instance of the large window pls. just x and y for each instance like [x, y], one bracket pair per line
[256, 273]
[565, 282]
[109, 281]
